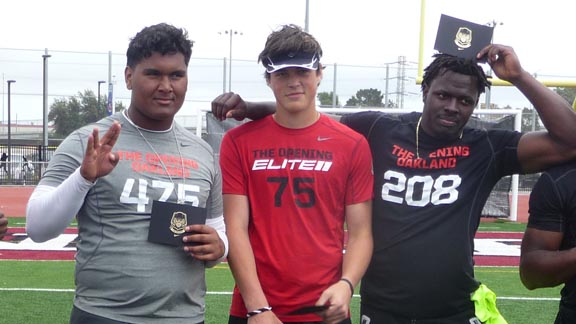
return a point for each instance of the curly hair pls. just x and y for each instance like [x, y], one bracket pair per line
[290, 38]
[445, 62]
[161, 38]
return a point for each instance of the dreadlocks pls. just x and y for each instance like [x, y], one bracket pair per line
[445, 62]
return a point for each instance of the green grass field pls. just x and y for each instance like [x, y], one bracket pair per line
[41, 292]
[501, 225]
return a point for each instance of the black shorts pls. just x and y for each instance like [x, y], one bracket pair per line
[240, 320]
[79, 316]
[371, 315]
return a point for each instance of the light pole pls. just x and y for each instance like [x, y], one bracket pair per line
[111, 82]
[306, 20]
[231, 33]
[45, 100]
[9, 122]
[99, 83]
[488, 94]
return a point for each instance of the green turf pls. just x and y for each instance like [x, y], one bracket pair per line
[501, 225]
[37, 274]
[21, 222]
[34, 306]
[16, 221]
[505, 282]
[22, 306]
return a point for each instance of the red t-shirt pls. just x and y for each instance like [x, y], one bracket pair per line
[298, 182]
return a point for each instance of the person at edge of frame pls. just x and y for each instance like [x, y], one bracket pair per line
[549, 242]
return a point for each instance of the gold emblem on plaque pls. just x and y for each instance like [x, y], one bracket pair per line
[178, 223]
[463, 38]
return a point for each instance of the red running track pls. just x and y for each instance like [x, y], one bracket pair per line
[64, 249]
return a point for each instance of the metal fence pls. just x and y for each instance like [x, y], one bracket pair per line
[23, 164]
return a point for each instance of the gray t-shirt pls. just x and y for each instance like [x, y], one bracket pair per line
[119, 274]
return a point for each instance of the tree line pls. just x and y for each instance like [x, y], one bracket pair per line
[68, 114]
[364, 98]
[373, 98]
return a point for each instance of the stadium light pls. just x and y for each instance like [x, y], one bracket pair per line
[9, 121]
[231, 33]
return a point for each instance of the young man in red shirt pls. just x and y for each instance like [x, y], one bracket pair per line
[290, 183]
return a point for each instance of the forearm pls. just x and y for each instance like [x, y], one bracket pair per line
[220, 227]
[243, 266]
[542, 268]
[360, 243]
[259, 110]
[357, 256]
[51, 209]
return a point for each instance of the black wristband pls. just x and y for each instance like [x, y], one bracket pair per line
[259, 311]
[349, 284]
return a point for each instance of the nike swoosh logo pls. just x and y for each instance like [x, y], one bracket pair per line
[184, 144]
[321, 139]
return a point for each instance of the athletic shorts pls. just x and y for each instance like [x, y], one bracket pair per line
[371, 315]
[79, 316]
[240, 320]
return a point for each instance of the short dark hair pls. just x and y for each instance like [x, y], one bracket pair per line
[161, 38]
[445, 62]
[289, 38]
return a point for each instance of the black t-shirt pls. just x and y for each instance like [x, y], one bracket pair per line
[553, 208]
[426, 212]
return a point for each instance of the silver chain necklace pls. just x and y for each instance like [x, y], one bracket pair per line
[180, 201]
